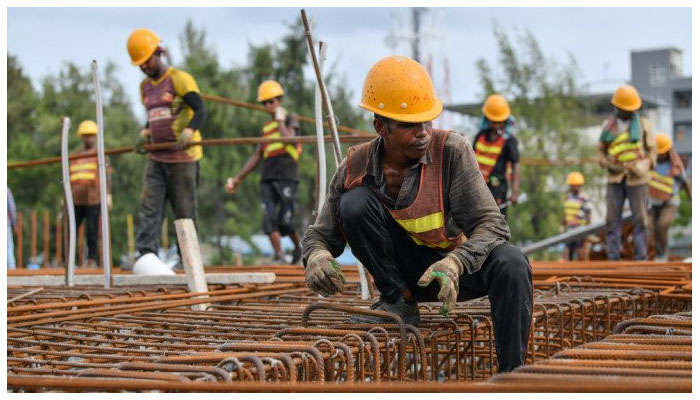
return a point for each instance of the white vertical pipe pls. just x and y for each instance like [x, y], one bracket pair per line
[321, 145]
[106, 258]
[68, 195]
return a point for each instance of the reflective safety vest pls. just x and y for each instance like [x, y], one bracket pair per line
[487, 154]
[274, 149]
[623, 150]
[574, 213]
[424, 219]
[83, 171]
[661, 186]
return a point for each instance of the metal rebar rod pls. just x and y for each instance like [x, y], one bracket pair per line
[68, 197]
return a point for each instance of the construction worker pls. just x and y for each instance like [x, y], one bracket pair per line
[85, 187]
[628, 153]
[280, 177]
[406, 203]
[175, 115]
[577, 212]
[496, 151]
[666, 179]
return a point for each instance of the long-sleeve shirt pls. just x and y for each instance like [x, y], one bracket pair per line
[468, 204]
[646, 163]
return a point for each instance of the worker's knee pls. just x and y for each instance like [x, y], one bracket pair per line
[358, 204]
[513, 265]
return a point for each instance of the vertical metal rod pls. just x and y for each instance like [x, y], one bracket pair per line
[130, 237]
[20, 241]
[32, 238]
[47, 225]
[68, 196]
[81, 245]
[103, 178]
[324, 92]
[321, 146]
[59, 240]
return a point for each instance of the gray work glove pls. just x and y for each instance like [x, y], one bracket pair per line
[640, 167]
[142, 141]
[280, 114]
[184, 139]
[447, 271]
[323, 274]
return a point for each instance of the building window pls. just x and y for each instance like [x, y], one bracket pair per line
[657, 75]
[683, 99]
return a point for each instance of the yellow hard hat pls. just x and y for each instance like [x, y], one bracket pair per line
[142, 43]
[87, 127]
[575, 179]
[269, 90]
[663, 143]
[399, 88]
[496, 108]
[626, 98]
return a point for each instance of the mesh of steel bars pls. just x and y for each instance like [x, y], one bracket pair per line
[85, 338]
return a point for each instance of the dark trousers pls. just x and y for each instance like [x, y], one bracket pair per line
[660, 219]
[615, 196]
[278, 197]
[165, 182]
[91, 216]
[396, 263]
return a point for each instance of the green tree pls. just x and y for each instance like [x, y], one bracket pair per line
[546, 101]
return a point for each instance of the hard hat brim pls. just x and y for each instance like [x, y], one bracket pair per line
[664, 150]
[143, 59]
[424, 116]
[637, 105]
[495, 118]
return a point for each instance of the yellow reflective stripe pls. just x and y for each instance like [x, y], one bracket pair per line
[273, 135]
[572, 204]
[83, 167]
[664, 179]
[272, 147]
[82, 176]
[623, 137]
[488, 149]
[486, 160]
[422, 224]
[615, 150]
[292, 150]
[270, 126]
[627, 157]
[660, 186]
[442, 245]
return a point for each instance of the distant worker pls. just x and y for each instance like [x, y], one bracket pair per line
[85, 187]
[628, 153]
[577, 213]
[406, 202]
[280, 176]
[176, 113]
[497, 153]
[11, 226]
[666, 180]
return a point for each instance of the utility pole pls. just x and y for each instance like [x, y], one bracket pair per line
[416, 13]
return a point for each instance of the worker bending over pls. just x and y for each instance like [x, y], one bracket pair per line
[415, 210]
[280, 176]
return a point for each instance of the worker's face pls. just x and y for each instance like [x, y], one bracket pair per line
[662, 157]
[497, 128]
[152, 66]
[89, 141]
[623, 115]
[574, 189]
[271, 104]
[406, 138]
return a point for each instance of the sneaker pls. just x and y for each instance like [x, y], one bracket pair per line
[408, 312]
[296, 255]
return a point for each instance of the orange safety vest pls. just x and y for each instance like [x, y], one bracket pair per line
[424, 219]
[661, 186]
[573, 211]
[487, 154]
[271, 129]
[624, 150]
[83, 171]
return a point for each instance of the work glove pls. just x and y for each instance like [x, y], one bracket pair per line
[232, 184]
[280, 114]
[323, 274]
[144, 139]
[184, 139]
[641, 167]
[447, 271]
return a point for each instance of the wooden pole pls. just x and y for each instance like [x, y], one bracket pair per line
[47, 225]
[59, 240]
[81, 245]
[20, 241]
[32, 239]
[165, 243]
[130, 237]
[191, 258]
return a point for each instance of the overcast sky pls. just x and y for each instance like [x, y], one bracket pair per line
[600, 39]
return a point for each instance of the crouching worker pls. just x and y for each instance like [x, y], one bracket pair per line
[415, 210]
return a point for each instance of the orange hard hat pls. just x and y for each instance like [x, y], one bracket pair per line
[399, 88]
[142, 43]
[496, 108]
[575, 179]
[269, 90]
[626, 98]
[663, 143]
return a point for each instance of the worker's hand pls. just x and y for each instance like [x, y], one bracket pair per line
[280, 114]
[232, 184]
[641, 167]
[323, 274]
[514, 198]
[143, 140]
[109, 202]
[184, 139]
[447, 271]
